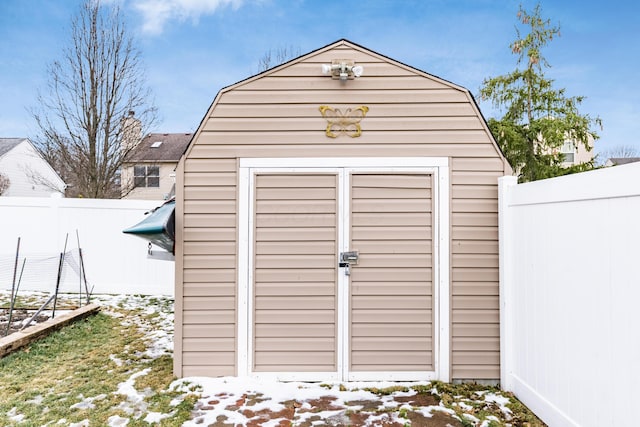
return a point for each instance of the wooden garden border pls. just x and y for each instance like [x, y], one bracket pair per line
[20, 339]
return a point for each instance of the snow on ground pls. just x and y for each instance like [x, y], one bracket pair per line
[239, 399]
[248, 402]
[221, 395]
[87, 403]
[159, 333]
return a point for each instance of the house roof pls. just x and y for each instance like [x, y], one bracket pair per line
[623, 160]
[162, 147]
[7, 144]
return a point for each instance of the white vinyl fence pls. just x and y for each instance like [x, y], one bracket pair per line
[114, 262]
[570, 296]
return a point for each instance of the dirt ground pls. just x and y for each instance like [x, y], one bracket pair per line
[18, 318]
[354, 413]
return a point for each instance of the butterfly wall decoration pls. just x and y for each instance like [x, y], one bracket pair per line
[345, 123]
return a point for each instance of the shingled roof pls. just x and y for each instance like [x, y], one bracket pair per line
[622, 160]
[7, 144]
[161, 147]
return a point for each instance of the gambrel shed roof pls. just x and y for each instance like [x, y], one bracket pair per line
[400, 98]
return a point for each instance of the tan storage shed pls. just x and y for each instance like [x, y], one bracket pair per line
[337, 219]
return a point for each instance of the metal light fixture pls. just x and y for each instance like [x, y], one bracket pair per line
[357, 70]
[342, 69]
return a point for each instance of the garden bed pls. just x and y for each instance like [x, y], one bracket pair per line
[20, 338]
[19, 317]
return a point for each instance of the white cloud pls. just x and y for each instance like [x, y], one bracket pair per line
[156, 13]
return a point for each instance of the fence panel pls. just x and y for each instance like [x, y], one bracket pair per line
[114, 262]
[570, 288]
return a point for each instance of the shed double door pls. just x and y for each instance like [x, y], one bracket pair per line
[315, 316]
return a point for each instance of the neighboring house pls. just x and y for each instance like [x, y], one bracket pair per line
[29, 174]
[614, 161]
[575, 154]
[337, 227]
[150, 171]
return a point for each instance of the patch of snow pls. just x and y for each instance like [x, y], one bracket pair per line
[384, 419]
[427, 411]
[463, 406]
[334, 418]
[488, 420]
[83, 405]
[471, 418]
[115, 314]
[387, 402]
[83, 423]
[501, 401]
[497, 399]
[134, 403]
[127, 388]
[117, 421]
[87, 403]
[155, 322]
[156, 417]
[176, 401]
[116, 360]
[37, 400]
[14, 415]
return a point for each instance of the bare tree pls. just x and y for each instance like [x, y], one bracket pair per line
[271, 58]
[36, 177]
[617, 152]
[85, 118]
[623, 151]
[4, 183]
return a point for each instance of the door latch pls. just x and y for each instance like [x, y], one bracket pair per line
[349, 257]
[346, 260]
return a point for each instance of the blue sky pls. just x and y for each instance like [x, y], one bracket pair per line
[193, 48]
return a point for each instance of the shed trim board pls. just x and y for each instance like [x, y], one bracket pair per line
[343, 169]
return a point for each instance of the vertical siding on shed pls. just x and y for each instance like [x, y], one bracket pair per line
[474, 264]
[209, 267]
[392, 284]
[294, 301]
[410, 114]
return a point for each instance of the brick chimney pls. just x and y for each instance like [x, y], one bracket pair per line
[131, 133]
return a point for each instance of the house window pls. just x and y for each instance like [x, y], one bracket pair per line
[146, 176]
[568, 151]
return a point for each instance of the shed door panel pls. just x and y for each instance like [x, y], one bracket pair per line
[391, 287]
[294, 295]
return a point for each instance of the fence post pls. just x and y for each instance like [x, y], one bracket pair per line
[506, 185]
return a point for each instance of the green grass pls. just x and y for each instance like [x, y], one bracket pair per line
[77, 364]
[466, 398]
[44, 380]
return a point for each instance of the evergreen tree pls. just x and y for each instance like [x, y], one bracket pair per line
[537, 118]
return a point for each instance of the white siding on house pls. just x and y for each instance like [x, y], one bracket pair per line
[30, 175]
